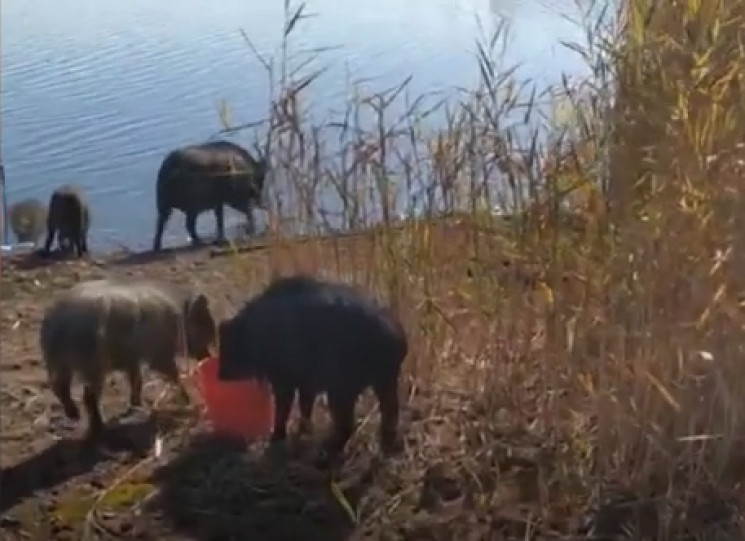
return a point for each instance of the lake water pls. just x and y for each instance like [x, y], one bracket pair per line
[96, 92]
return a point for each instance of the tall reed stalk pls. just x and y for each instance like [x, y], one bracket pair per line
[583, 346]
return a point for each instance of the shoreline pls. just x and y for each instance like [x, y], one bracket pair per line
[254, 244]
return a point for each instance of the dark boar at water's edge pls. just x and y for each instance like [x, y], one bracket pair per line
[100, 326]
[69, 219]
[204, 177]
[309, 336]
[28, 220]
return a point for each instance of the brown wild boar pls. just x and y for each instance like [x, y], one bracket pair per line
[69, 219]
[100, 326]
[28, 219]
[204, 177]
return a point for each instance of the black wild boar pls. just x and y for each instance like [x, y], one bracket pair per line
[69, 219]
[205, 177]
[28, 219]
[99, 326]
[309, 336]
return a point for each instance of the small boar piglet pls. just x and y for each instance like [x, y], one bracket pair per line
[308, 336]
[100, 326]
[69, 220]
[28, 220]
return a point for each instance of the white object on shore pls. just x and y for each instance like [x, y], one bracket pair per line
[20, 245]
[158, 448]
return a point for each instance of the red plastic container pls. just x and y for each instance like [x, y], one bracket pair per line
[243, 409]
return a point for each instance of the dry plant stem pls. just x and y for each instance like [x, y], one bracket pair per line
[90, 520]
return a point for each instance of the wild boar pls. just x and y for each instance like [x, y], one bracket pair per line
[69, 219]
[311, 336]
[204, 177]
[100, 326]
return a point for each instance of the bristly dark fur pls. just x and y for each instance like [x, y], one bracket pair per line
[68, 219]
[310, 336]
[28, 220]
[205, 177]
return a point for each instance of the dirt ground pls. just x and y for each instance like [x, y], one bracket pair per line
[54, 487]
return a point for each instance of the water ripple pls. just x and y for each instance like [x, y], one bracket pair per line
[98, 92]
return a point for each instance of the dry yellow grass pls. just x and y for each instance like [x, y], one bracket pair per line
[625, 359]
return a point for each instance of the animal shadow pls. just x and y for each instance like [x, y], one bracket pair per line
[244, 494]
[66, 459]
[35, 259]
[149, 256]
[209, 246]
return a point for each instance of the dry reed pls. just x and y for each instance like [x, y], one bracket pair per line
[575, 355]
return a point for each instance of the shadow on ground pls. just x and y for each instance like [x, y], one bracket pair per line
[31, 260]
[209, 247]
[66, 459]
[129, 258]
[216, 490]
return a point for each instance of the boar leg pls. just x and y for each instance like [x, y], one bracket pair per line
[284, 396]
[341, 406]
[135, 386]
[160, 226]
[386, 391]
[51, 233]
[78, 248]
[191, 227]
[91, 400]
[81, 244]
[61, 381]
[306, 399]
[220, 223]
